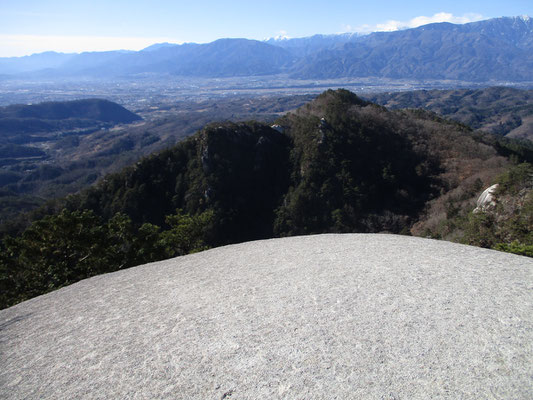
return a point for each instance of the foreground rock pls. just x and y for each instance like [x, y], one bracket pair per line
[316, 317]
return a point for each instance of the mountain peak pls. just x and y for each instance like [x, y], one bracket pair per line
[523, 18]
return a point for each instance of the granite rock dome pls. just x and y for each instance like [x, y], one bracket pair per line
[318, 317]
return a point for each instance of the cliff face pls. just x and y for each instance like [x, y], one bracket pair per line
[246, 173]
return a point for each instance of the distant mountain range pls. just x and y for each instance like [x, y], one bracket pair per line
[496, 49]
[499, 49]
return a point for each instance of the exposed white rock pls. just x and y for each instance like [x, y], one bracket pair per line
[355, 316]
[278, 128]
[486, 199]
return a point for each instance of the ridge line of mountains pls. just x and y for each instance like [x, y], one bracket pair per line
[499, 49]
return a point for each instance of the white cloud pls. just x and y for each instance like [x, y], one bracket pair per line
[394, 25]
[21, 45]
[282, 35]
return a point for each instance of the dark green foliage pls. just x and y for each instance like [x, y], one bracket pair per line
[55, 251]
[149, 190]
[246, 169]
[479, 230]
[187, 233]
[62, 249]
[238, 171]
[352, 170]
[518, 150]
[516, 248]
[516, 178]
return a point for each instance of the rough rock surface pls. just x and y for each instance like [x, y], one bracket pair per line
[355, 316]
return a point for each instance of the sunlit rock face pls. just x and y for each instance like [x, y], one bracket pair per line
[487, 199]
[366, 316]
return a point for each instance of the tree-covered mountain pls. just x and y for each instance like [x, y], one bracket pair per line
[221, 58]
[25, 124]
[29, 130]
[86, 109]
[500, 110]
[33, 139]
[498, 49]
[337, 164]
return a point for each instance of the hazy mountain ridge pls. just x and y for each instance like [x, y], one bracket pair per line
[221, 58]
[499, 49]
[34, 62]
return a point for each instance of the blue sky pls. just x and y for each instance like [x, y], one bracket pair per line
[29, 26]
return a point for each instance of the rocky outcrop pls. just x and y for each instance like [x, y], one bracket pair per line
[365, 316]
[487, 199]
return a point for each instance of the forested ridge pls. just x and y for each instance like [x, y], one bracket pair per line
[501, 110]
[337, 164]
